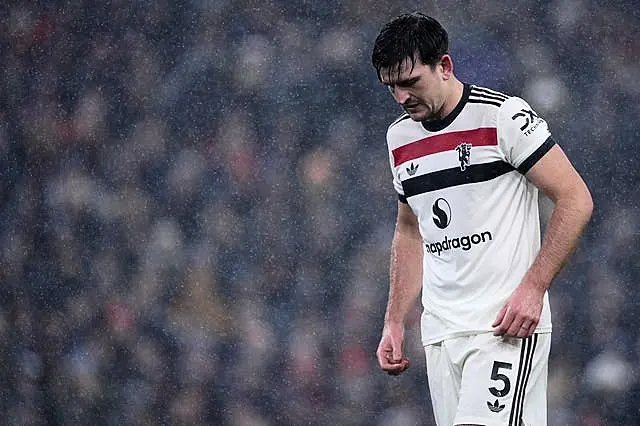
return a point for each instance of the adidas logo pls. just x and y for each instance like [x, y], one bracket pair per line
[495, 407]
[412, 169]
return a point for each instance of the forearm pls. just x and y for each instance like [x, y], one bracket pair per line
[405, 276]
[566, 224]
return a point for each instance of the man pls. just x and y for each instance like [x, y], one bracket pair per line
[467, 165]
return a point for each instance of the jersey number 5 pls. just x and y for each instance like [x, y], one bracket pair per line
[497, 376]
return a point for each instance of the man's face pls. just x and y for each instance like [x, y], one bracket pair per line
[419, 90]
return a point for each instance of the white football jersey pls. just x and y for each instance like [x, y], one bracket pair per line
[463, 177]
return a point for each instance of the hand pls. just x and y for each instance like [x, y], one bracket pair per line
[389, 351]
[520, 315]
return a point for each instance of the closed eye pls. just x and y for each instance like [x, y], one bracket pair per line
[410, 82]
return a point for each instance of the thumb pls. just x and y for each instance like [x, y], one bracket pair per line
[500, 316]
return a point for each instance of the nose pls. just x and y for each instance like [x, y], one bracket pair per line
[401, 95]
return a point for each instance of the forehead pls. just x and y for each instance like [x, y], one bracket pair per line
[403, 71]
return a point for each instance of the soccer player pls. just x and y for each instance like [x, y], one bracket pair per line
[467, 164]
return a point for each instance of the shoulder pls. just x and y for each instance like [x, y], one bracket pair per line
[485, 96]
[488, 103]
[503, 102]
[401, 118]
[507, 107]
[517, 113]
[400, 131]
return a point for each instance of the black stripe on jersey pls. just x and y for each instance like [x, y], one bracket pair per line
[403, 198]
[454, 177]
[490, 92]
[537, 155]
[527, 351]
[480, 95]
[399, 119]
[488, 97]
[484, 101]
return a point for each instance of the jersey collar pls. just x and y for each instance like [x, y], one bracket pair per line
[437, 125]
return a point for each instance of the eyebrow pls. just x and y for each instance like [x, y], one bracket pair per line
[403, 82]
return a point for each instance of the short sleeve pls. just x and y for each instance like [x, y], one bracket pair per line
[523, 135]
[397, 184]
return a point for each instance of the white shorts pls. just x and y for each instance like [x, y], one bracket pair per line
[487, 380]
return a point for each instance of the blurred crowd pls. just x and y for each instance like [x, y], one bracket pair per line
[197, 207]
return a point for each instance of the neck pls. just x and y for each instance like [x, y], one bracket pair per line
[452, 98]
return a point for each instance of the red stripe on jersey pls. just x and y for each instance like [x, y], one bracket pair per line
[484, 136]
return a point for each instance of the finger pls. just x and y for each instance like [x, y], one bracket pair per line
[400, 367]
[382, 362]
[394, 368]
[515, 329]
[384, 357]
[391, 367]
[386, 361]
[397, 353]
[383, 354]
[528, 328]
[522, 332]
[505, 324]
[405, 366]
[500, 316]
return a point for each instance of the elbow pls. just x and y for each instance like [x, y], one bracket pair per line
[586, 204]
[577, 199]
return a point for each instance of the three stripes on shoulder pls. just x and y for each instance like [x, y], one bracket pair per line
[482, 95]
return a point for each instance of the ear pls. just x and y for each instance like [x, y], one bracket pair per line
[446, 65]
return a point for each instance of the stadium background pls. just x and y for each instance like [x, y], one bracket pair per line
[197, 207]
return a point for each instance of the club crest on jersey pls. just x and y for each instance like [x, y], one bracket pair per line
[464, 155]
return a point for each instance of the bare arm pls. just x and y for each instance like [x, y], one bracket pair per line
[405, 270]
[405, 284]
[557, 178]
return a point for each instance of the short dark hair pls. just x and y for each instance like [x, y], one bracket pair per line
[410, 35]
